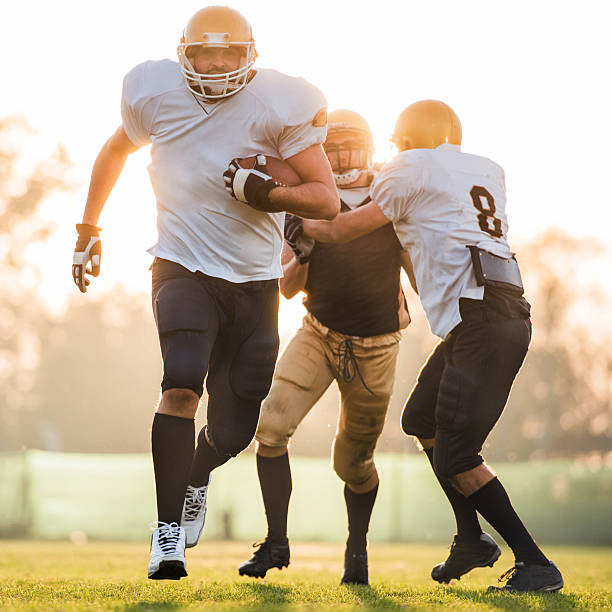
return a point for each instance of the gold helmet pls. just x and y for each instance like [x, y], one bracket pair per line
[349, 146]
[426, 125]
[217, 26]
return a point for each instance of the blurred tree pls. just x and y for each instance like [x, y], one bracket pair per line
[561, 404]
[89, 380]
[25, 182]
[98, 378]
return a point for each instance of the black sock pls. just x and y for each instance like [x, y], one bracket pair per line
[205, 460]
[468, 526]
[275, 482]
[172, 440]
[494, 505]
[359, 510]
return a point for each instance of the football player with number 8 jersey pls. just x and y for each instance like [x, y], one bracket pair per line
[448, 211]
[217, 260]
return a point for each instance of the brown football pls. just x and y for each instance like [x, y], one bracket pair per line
[278, 169]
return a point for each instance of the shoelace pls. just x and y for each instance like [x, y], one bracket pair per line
[261, 547]
[194, 500]
[169, 534]
[347, 363]
[508, 574]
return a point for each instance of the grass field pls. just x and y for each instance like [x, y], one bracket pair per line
[107, 576]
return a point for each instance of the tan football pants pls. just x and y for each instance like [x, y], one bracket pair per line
[305, 370]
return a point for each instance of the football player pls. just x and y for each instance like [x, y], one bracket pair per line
[448, 211]
[217, 261]
[350, 334]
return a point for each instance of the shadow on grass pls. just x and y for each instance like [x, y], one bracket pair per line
[520, 602]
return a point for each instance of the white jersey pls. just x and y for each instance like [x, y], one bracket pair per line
[353, 197]
[200, 226]
[439, 201]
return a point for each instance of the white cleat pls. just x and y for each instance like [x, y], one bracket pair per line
[194, 513]
[167, 560]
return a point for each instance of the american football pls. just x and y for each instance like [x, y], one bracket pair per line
[278, 169]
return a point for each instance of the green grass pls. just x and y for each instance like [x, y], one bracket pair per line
[107, 576]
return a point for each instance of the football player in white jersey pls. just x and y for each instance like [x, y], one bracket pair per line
[351, 332]
[448, 211]
[217, 261]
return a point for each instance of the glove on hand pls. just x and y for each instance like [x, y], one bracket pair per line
[300, 244]
[86, 258]
[250, 186]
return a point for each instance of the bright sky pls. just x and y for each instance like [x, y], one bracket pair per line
[529, 79]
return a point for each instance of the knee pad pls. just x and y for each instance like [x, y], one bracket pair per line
[418, 416]
[448, 462]
[278, 419]
[230, 442]
[353, 464]
[185, 361]
[250, 375]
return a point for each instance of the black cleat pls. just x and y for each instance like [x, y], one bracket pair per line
[465, 556]
[270, 554]
[524, 578]
[169, 570]
[355, 568]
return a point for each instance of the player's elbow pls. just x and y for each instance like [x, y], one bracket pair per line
[287, 289]
[328, 205]
[332, 207]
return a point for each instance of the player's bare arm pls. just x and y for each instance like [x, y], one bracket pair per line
[294, 274]
[406, 263]
[317, 196]
[347, 226]
[106, 171]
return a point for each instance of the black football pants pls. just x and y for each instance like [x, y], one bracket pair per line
[228, 331]
[463, 387]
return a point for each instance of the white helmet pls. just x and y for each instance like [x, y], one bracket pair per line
[217, 26]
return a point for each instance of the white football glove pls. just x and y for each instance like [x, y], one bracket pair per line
[251, 186]
[87, 253]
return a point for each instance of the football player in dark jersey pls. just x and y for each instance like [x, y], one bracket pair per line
[350, 334]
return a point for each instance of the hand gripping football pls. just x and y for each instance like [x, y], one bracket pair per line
[278, 169]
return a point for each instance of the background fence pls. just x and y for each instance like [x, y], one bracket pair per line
[65, 495]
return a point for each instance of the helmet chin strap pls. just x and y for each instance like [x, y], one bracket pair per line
[347, 178]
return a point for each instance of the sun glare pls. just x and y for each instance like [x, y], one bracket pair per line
[513, 99]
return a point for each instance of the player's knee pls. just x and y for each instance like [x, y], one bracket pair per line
[353, 473]
[418, 420]
[447, 464]
[231, 437]
[179, 402]
[276, 426]
[184, 369]
[352, 465]
[228, 443]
